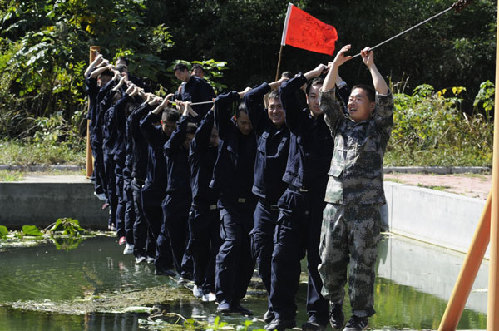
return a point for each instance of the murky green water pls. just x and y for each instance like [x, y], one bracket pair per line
[413, 284]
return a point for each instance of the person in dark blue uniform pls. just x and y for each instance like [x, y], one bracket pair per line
[96, 75]
[233, 177]
[268, 186]
[301, 206]
[144, 248]
[177, 201]
[204, 221]
[193, 89]
[114, 147]
[107, 98]
[125, 213]
[154, 189]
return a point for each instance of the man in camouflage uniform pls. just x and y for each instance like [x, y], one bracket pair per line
[352, 220]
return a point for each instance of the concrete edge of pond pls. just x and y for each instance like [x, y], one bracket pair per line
[436, 217]
[433, 216]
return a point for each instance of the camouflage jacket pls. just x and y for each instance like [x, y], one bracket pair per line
[356, 171]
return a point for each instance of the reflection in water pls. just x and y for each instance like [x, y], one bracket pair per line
[414, 281]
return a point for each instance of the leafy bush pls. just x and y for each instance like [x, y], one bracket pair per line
[430, 128]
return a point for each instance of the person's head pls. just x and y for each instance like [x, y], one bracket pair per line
[121, 60]
[169, 119]
[275, 110]
[105, 77]
[182, 72]
[214, 137]
[312, 92]
[197, 70]
[189, 134]
[242, 120]
[361, 102]
[122, 65]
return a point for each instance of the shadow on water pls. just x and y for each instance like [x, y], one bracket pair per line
[94, 284]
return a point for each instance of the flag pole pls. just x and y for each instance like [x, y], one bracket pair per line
[493, 290]
[278, 64]
[283, 39]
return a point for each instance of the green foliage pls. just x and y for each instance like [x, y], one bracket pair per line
[31, 230]
[431, 129]
[67, 227]
[3, 232]
[485, 98]
[26, 153]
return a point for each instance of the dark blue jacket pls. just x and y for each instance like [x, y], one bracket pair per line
[156, 164]
[110, 127]
[103, 102]
[311, 143]
[137, 146]
[92, 90]
[196, 90]
[177, 164]
[273, 147]
[234, 167]
[202, 162]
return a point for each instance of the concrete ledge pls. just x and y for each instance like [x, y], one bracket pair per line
[42, 203]
[436, 217]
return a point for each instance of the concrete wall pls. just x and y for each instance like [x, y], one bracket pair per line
[42, 203]
[436, 217]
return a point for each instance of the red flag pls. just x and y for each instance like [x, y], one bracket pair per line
[305, 31]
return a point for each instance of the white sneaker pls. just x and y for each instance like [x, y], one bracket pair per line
[100, 196]
[150, 260]
[128, 249]
[197, 291]
[139, 259]
[209, 297]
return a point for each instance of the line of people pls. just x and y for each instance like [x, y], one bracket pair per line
[210, 191]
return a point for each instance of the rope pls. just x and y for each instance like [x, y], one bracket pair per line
[458, 6]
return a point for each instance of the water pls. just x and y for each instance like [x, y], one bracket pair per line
[414, 282]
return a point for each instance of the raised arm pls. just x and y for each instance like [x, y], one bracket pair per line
[223, 109]
[383, 113]
[201, 139]
[379, 82]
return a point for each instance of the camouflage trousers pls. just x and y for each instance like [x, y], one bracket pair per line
[348, 249]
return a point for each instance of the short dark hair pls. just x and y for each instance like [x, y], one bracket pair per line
[191, 128]
[197, 65]
[181, 67]
[371, 93]
[122, 58]
[314, 82]
[170, 115]
[274, 94]
[242, 108]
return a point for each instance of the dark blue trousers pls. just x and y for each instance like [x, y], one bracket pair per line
[144, 242]
[234, 263]
[111, 193]
[151, 204]
[265, 221]
[130, 215]
[298, 231]
[99, 171]
[121, 201]
[176, 206]
[204, 224]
